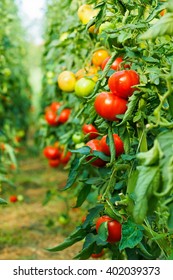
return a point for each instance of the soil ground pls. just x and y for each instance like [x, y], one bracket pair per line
[30, 226]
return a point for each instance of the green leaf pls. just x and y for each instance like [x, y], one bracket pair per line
[74, 237]
[132, 235]
[74, 171]
[93, 213]
[103, 231]
[152, 156]
[143, 191]
[84, 150]
[94, 181]
[101, 155]
[82, 195]
[88, 247]
[2, 201]
[164, 26]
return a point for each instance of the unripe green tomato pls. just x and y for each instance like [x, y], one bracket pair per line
[63, 219]
[7, 72]
[49, 74]
[77, 137]
[50, 81]
[80, 145]
[20, 197]
[84, 87]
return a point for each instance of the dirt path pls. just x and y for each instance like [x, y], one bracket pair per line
[28, 227]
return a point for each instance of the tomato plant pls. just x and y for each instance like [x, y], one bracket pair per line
[128, 197]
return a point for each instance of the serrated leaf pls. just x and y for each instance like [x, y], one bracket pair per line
[132, 235]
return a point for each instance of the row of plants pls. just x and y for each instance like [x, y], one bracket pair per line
[107, 106]
[14, 89]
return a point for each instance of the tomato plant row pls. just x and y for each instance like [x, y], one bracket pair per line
[14, 88]
[109, 63]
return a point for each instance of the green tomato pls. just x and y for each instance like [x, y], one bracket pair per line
[7, 72]
[84, 87]
[20, 197]
[50, 75]
[77, 137]
[63, 219]
[79, 145]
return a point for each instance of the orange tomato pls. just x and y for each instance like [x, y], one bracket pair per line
[99, 56]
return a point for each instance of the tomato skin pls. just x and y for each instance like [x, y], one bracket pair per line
[54, 162]
[55, 106]
[51, 118]
[121, 82]
[108, 105]
[114, 228]
[65, 157]
[77, 137]
[99, 56]
[119, 146]
[13, 198]
[66, 81]
[64, 116]
[116, 65]
[94, 145]
[91, 130]
[51, 152]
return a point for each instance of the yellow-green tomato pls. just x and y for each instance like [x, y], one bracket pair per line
[63, 219]
[105, 26]
[80, 145]
[77, 137]
[84, 87]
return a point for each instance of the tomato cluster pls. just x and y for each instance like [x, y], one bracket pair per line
[53, 118]
[56, 155]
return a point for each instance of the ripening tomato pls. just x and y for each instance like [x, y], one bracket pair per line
[108, 105]
[84, 87]
[54, 162]
[55, 106]
[51, 152]
[51, 117]
[118, 143]
[91, 130]
[99, 56]
[86, 13]
[121, 83]
[114, 228]
[67, 81]
[116, 65]
[65, 157]
[64, 115]
[94, 145]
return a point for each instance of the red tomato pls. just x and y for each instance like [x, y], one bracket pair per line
[116, 65]
[121, 82]
[91, 130]
[64, 116]
[54, 162]
[108, 105]
[51, 118]
[114, 228]
[65, 157]
[95, 146]
[55, 106]
[13, 198]
[119, 146]
[51, 152]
